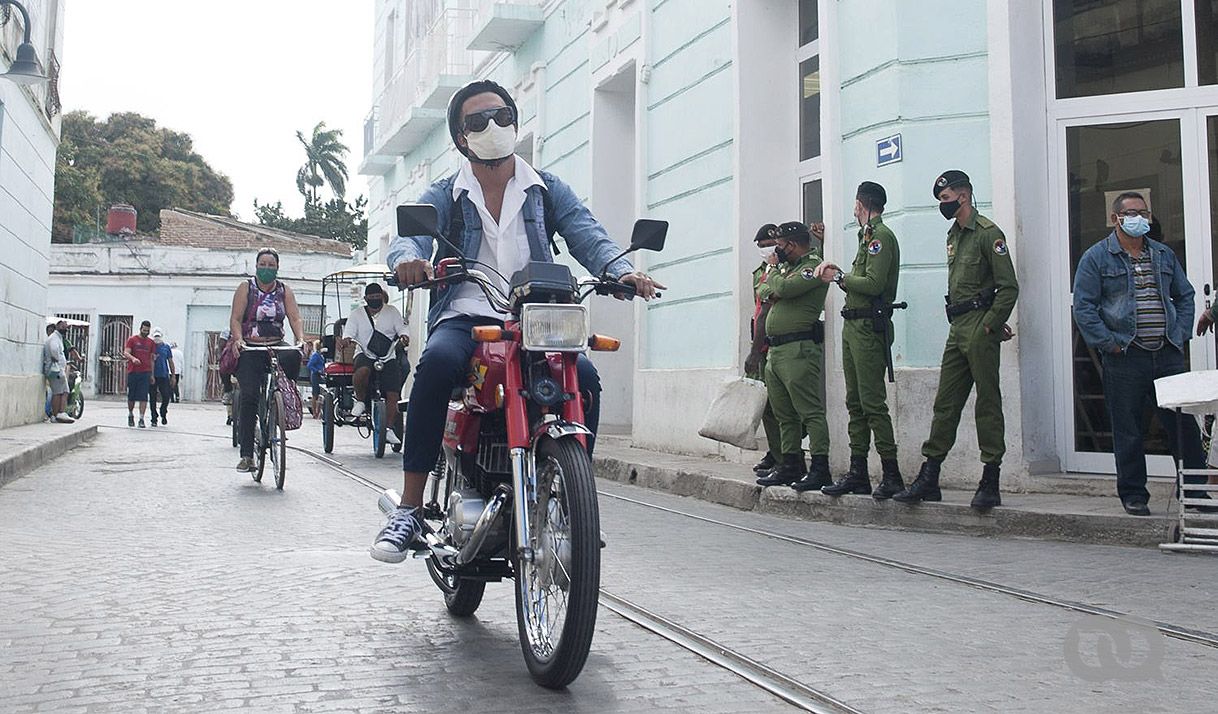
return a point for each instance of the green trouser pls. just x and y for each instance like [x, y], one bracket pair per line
[797, 395]
[769, 422]
[970, 357]
[863, 352]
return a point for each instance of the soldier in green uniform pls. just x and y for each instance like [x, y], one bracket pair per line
[871, 288]
[754, 364]
[982, 290]
[796, 335]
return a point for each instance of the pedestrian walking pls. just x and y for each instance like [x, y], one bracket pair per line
[178, 361]
[55, 369]
[1133, 305]
[754, 364]
[139, 351]
[871, 289]
[161, 384]
[981, 292]
[316, 366]
[795, 334]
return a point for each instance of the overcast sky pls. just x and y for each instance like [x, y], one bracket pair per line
[240, 76]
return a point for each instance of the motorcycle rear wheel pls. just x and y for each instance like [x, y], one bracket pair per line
[562, 582]
[461, 596]
[76, 408]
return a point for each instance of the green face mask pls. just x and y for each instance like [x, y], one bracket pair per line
[266, 275]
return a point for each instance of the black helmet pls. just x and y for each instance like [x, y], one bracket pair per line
[474, 88]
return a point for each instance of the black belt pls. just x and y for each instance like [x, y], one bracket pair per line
[816, 334]
[981, 302]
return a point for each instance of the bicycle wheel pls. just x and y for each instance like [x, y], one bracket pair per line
[378, 428]
[556, 592]
[261, 439]
[327, 423]
[278, 440]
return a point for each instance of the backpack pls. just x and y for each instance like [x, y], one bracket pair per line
[293, 406]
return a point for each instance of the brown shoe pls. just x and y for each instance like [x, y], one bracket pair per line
[246, 464]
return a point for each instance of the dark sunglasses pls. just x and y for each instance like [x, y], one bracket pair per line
[478, 121]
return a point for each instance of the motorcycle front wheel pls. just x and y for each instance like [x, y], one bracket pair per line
[557, 589]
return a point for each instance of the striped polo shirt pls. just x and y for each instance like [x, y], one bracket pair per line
[1150, 315]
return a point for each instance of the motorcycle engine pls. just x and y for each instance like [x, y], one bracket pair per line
[464, 507]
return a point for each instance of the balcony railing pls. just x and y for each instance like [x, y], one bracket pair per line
[433, 70]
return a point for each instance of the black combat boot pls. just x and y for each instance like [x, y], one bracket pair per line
[891, 484]
[987, 495]
[925, 487]
[788, 472]
[767, 464]
[856, 480]
[818, 475]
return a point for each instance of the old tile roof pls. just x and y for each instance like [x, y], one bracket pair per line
[200, 230]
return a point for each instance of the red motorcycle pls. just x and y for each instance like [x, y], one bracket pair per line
[513, 494]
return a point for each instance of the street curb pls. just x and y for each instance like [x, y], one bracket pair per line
[25, 460]
[941, 517]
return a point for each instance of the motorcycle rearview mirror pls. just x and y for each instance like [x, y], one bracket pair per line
[421, 219]
[648, 234]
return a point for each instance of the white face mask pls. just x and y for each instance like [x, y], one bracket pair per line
[765, 251]
[493, 142]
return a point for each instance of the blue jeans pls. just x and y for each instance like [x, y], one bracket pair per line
[442, 366]
[1128, 387]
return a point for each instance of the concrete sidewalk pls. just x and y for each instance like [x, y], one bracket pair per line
[25, 448]
[1053, 516]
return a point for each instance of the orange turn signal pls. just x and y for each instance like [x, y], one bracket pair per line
[602, 343]
[487, 333]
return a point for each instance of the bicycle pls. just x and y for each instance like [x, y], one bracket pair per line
[270, 434]
[75, 405]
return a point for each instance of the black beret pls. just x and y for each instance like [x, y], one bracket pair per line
[874, 191]
[949, 179]
[790, 229]
[767, 232]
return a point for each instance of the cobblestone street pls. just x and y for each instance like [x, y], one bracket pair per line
[141, 573]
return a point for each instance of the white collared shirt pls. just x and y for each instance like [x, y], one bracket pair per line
[505, 244]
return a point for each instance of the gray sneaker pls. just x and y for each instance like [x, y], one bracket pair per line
[392, 544]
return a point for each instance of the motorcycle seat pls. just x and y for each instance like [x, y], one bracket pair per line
[338, 368]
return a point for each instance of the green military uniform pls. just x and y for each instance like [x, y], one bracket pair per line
[793, 369]
[978, 264]
[873, 277]
[769, 422]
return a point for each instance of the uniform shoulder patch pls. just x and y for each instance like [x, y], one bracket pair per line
[1000, 247]
[807, 274]
[875, 246]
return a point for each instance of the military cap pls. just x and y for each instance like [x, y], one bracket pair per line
[792, 229]
[949, 179]
[767, 232]
[874, 191]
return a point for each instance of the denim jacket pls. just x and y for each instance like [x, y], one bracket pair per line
[1105, 305]
[587, 239]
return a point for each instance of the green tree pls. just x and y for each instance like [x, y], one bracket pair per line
[134, 161]
[336, 219]
[324, 164]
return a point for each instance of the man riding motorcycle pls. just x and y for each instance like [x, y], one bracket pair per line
[498, 210]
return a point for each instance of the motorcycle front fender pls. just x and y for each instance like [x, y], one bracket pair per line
[556, 429]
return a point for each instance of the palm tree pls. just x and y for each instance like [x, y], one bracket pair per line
[325, 152]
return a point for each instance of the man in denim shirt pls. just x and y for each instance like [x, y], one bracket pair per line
[504, 205]
[1133, 304]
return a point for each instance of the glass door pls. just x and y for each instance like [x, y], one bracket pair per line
[1171, 159]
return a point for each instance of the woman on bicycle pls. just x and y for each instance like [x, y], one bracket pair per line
[259, 306]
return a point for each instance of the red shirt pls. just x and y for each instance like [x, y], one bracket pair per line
[142, 349]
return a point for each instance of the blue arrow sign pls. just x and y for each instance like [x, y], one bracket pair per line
[888, 150]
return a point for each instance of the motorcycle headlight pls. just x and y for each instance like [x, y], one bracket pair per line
[554, 328]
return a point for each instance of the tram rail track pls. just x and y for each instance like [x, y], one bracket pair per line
[756, 673]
